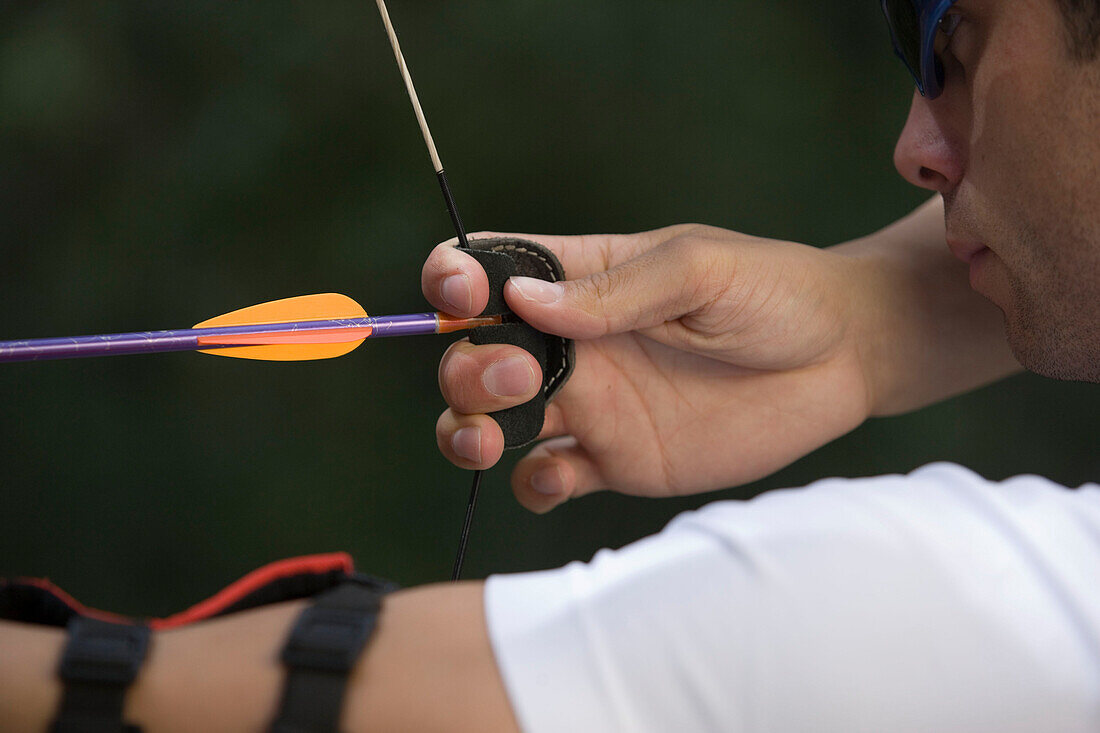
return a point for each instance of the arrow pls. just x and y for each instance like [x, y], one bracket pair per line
[308, 327]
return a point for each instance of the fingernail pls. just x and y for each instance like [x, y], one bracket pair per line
[537, 291]
[466, 443]
[548, 481]
[509, 377]
[456, 292]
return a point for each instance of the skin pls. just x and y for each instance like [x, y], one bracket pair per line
[763, 352]
[692, 333]
[428, 667]
[1013, 147]
[750, 353]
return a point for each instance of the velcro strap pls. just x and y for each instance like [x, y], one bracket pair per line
[100, 661]
[322, 649]
[502, 258]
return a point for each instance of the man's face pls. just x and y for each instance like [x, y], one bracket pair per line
[1013, 144]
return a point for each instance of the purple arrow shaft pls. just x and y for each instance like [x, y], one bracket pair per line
[187, 339]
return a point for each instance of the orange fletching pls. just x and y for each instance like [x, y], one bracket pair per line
[323, 307]
[290, 345]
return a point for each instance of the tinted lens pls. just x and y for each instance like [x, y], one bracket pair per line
[905, 26]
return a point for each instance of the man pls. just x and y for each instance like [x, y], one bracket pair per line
[932, 602]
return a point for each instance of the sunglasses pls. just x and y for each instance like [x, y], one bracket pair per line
[921, 30]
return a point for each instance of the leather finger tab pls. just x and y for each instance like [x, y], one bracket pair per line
[520, 424]
[503, 257]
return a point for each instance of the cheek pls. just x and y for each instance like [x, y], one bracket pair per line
[1001, 162]
[1012, 83]
[1020, 158]
[1034, 134]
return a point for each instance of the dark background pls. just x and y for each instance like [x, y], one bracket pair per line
[161, 163]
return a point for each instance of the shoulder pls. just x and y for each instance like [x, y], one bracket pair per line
[935, 580]
[936, 494]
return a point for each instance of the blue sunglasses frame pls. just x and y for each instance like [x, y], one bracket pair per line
[926, 17]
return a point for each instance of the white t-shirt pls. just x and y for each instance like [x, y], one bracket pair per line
[936, 602]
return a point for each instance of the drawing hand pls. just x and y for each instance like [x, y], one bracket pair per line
[705, 359]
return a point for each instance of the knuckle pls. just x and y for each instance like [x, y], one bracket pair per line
[665, 234]
[436, 264]
[706, 264]
[605, 285]
[692, 245]
[461, 374]
[444, 424]
[443, 261]
[455, 376]
[598, 295]
[445, 427]
[682, 248]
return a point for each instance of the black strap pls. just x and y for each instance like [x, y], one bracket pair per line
[100, 661]
[322, 649]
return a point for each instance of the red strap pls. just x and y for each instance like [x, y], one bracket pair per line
[308, 565]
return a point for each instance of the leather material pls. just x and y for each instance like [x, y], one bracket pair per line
[502, 258]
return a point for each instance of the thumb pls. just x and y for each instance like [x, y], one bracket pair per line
[660, 285]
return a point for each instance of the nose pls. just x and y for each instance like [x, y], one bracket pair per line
[928, 154]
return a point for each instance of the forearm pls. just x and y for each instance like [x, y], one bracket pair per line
[924, 335]
[29, 690]
[220, 676]
[428, 667]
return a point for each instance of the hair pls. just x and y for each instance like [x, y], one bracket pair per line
[1083, 27]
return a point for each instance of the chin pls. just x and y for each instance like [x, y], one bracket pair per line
[1053, 353]
[1052, 332]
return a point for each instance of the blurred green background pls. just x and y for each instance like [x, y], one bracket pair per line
[164, 162]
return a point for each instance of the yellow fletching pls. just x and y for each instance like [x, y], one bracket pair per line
[321, 307]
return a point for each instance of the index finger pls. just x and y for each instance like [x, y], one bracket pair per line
[454, 282]
[583, 254]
